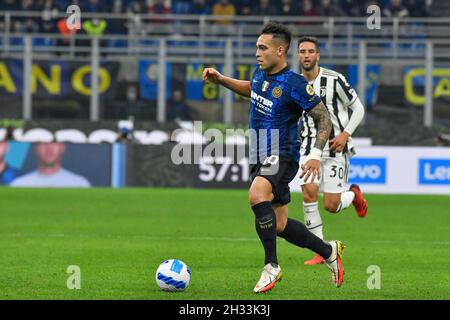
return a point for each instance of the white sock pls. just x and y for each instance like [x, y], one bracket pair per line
[346, 200]
[312, 218]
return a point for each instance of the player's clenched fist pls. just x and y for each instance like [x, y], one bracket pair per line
[212, 75]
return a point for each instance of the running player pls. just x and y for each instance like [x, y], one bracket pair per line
[339, 98]
[278, 97]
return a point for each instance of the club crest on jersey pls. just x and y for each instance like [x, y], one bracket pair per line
[277, 92]
[310, 89]
[265, 86]
[323, 91]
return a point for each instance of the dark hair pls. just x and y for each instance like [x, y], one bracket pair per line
[309, 39]
[278, 31]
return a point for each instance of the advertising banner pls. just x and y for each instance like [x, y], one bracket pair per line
[414, 84]
[382, 170]
[399, 170]
[57, 79]
[187, 77]
[55, 164]
[188, 166]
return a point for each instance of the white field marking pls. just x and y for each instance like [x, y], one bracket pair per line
[176, 238]
[111, 236]
[445, 243]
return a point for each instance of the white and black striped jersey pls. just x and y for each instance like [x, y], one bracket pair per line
[338, 96]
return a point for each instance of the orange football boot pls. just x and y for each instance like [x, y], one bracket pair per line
[359, 202]
[317, 259]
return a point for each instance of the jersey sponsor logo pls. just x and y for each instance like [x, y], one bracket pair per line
[277, 92]
[265, 86]
[434, 171]
[367, 170]
[261, 100]
[310, 89]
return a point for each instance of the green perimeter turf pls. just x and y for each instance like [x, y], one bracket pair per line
[119, 237]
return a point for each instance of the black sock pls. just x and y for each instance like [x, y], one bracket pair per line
[266, 227]
[297, 233]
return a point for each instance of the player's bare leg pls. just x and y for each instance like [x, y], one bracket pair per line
[336, 202]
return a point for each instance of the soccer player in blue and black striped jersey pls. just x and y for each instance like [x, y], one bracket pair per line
[278, 99]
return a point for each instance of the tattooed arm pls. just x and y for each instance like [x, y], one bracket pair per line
[321, 117]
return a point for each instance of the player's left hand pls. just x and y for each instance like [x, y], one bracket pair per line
[338, 143]
[310, 169]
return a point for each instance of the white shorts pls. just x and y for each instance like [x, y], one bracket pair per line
[333, 174]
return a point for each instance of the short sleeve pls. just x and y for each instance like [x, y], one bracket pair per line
[302, 93]
[346, 94]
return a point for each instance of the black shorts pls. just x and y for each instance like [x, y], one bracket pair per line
[279, 172]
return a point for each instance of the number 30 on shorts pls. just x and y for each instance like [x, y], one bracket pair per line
[337, 172]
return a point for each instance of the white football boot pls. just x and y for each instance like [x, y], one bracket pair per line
[334, 262]
[269, 277]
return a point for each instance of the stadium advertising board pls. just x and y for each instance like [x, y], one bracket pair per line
[367, 170]
[57, 79]
[188, 78]
[86, 134]
[434, 171]
[414, 83]
[399, 170]
[383, 170]
[152, 166]
[222, 172]
[53, 164]
[148, 79]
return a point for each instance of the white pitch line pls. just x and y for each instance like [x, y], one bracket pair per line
[445, 243]
[145, 237]
[178, 238]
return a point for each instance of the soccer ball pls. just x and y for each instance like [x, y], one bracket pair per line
[173, 275]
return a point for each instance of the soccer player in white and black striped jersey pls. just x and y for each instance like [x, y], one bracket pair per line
[339, 98]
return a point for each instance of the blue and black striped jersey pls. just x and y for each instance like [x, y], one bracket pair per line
[277, 102]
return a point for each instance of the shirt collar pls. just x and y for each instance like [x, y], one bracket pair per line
[278, 73]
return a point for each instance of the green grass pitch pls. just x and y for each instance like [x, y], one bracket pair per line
[119, 237]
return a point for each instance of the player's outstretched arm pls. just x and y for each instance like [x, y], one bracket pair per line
[311, 166]
[241, 87]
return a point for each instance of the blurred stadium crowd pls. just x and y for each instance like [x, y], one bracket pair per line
[48, 21]
[134, 80]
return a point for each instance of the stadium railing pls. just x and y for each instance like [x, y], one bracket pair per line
[187, 38]
[398, 37]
